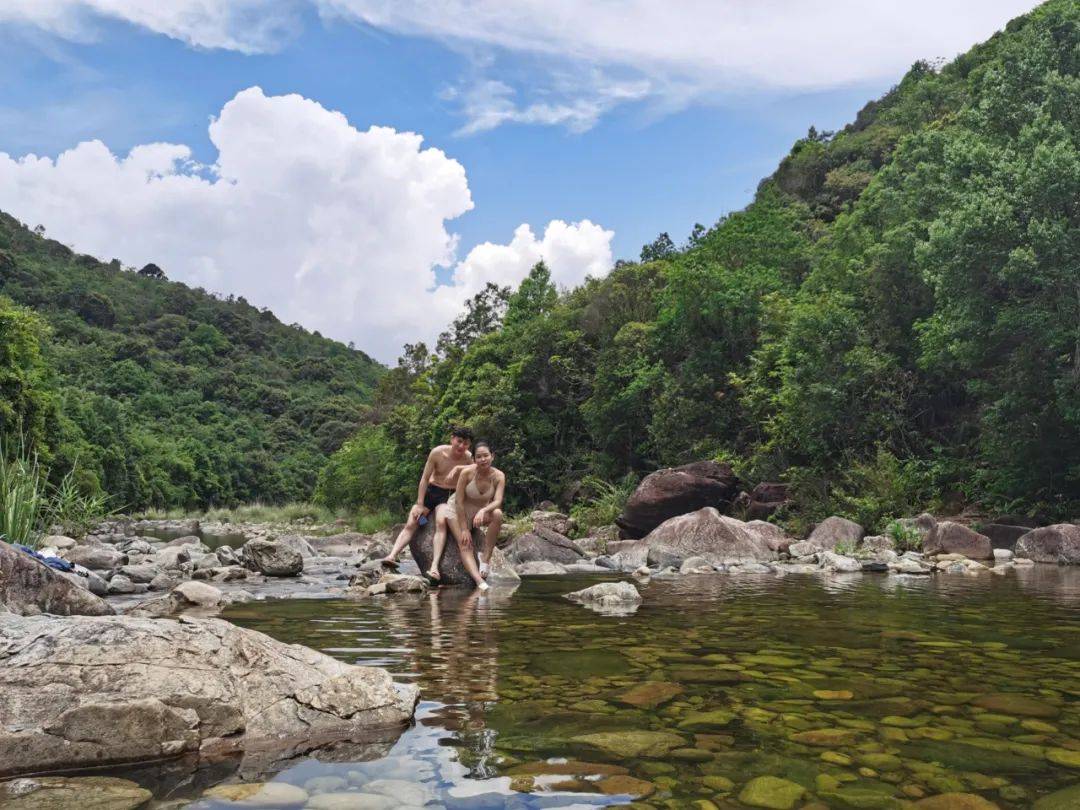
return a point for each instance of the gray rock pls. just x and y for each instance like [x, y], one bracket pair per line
[58, 541]
[119, 584]
[906, 565]
[543, 544]
[125, 689]
[197, 594]
[553, 521]
[140, 573]
[696, 565]
[662, 557]
[771, 534]
[272, 558]
[1002, 555]
[841, 564]
[397, 583]
[227, 555]
[608, 595]
[166, 580]
[96, 558]
[708, 534]
[135, 545]
[834, 530]
[1003, 535]
[187, 540]
[954, 538]
[539, 568]
[298, 544]
[876, 543]
[173, 557]
[28, 586]
[1054, 544]
[804, 549]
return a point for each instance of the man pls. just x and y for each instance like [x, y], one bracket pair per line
[437, 483]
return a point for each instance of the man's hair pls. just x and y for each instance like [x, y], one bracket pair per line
[462, 432]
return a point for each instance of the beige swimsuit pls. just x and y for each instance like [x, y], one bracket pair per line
[475, 499]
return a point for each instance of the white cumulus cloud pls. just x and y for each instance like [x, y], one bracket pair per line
[333, 227]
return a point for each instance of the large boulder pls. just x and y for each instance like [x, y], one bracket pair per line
[29, 587]
[543, 544]
[82, 691]
[299, 544]
[555, 521]
[272, 558]
[706, 533]
[676, 491]
[1056, 544]
[835, 531]
[450, 566]
[954, 538]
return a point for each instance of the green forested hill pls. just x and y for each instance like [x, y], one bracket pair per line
[894, 320]
[166, 395]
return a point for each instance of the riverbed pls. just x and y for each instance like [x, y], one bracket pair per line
[851, 691]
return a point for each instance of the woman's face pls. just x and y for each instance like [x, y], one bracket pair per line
[483, 458]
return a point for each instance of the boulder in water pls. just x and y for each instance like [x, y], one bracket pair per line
[92, 691]
[272, 558]
[676, 491]
[836, 530]
[450, 566]
[543, 544]
[29, 587]
[954, 538]
[1056, 544]
[706, 533]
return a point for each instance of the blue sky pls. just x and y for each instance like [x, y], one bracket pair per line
[670, 136]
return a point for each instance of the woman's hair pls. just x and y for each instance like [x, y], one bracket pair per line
[482, 443]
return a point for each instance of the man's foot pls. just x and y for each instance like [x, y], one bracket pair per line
[389, 562]
[482, 586]
[485, 569]
[433, 576]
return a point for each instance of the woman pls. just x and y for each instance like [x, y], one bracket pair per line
[476, 502]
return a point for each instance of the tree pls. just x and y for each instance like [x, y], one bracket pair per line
[152, 271]
[28, 405]
[660, 248]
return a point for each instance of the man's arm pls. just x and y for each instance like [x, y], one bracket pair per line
[425, 476]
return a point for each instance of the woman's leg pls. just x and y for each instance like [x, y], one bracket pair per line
[467, 551]
[494, 523]
[442, 513]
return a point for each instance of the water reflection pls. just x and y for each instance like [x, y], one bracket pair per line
[864, 688]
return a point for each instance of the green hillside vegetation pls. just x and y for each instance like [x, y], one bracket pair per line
[159, 394]
[893, 323]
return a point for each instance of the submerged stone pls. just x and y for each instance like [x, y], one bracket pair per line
[704, 721]
[84, 792]
[956, 801]
[650, 694]
[259, 794]
[1012, 703]
[826, 737]
[632, 744]
[771, 792]
[1064, 799]
[616, 785]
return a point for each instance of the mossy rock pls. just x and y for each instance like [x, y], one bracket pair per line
[863, 794]
[1064, 799]
[650, 694]
[956, 801]
[706, 721]
[1016, 704]
[771, 792]
[826, 737]
[632, 744]
[963, 757]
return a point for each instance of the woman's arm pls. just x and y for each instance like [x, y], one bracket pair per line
[459, 502]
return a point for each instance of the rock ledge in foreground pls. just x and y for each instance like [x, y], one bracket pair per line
[29, 587]
[91, 691]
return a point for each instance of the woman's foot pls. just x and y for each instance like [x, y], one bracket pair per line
[433, 576]
[485, 569]
[482, 586]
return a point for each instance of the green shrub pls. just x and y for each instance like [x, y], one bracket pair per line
[603, 503]
[904, 537]
[24, 504]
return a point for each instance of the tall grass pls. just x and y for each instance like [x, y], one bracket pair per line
[24, 503]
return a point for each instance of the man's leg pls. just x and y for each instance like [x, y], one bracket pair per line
[494, 523]
[403, 538]
[442, 513]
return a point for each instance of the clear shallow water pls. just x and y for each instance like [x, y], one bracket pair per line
[865, 691]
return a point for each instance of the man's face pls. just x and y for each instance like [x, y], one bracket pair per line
[459, 445]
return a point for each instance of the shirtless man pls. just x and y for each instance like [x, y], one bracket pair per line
[437, 484]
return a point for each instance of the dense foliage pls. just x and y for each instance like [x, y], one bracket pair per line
[161, 395]
[894, 319]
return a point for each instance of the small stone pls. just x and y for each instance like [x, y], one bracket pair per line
[631, 744]
[833, 694]
[614, 785]
[721, 784]
[825, 737]
[1013, 703]
[650, 694]
[704, 721]
[260, 794]
[771, 792]
[956, 801]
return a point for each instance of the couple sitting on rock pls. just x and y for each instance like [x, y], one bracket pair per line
[459, 489]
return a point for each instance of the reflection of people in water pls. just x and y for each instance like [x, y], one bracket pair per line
[476, 503]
